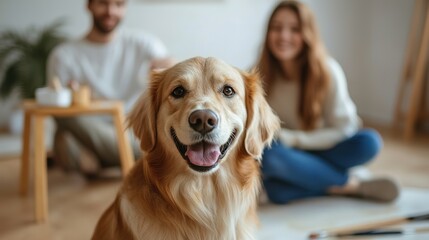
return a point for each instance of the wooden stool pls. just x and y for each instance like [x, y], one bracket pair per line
[38, 113]
[413, 73]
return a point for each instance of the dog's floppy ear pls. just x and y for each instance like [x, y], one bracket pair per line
[142, 118]
[262, 124]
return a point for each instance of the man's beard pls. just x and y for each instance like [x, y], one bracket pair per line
[98, 24]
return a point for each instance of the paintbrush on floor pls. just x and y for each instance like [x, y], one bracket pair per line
[377, 232]
[372, 228]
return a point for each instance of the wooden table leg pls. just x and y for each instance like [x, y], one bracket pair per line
[25, 157]
[125, 151]
[40, 172]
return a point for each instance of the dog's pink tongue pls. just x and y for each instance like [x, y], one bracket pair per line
[203, 154]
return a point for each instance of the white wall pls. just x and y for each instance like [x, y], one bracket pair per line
[388, 32]
[228, 29]
[367, 37]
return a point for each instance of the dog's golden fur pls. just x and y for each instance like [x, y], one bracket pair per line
[167, 197]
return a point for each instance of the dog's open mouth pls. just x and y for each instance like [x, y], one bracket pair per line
[202, 156]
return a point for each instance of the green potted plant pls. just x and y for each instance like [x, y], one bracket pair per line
[23, 58]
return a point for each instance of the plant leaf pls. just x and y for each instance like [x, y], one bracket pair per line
[10, 81]
[24, 56]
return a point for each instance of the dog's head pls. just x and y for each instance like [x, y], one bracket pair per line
[200, 111]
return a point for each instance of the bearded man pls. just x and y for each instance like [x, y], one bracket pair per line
[115, 65]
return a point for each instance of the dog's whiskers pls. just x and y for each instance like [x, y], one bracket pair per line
[197, 138]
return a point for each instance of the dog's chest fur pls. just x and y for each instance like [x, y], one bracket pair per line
[200, 207]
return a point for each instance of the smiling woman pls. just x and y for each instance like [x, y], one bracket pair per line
[321, 137]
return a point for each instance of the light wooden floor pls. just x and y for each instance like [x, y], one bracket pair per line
[75, 205]
[407, 162]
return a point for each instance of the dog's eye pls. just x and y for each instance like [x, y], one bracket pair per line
[178, 92]
[228, 91]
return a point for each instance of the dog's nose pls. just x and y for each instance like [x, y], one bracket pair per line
[203, 121]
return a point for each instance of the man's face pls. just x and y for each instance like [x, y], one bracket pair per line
[106, 14]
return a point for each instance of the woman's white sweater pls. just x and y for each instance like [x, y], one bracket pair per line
[339, 118]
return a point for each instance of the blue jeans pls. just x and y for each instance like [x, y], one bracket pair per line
[289, 173]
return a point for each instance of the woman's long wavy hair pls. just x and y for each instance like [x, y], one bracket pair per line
[314, 75]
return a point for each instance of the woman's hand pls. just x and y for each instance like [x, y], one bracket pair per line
[288, 137]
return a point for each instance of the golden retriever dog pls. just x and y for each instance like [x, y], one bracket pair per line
[203, 125]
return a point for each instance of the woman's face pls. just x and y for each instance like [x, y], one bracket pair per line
[285, 39]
